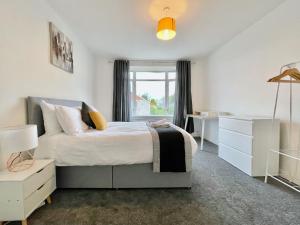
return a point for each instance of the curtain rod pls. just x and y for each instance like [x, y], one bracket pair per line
[152, 61]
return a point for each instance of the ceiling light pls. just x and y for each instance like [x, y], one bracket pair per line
[166, 28]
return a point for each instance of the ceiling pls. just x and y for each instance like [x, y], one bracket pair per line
[127, 28]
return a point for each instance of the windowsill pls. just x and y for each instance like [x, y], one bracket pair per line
[153, 117]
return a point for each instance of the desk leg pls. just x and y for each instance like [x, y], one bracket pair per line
[202, 132]
[49, 201]
[186, 122]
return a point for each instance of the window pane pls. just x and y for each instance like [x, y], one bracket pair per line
[132, 106]
[150, 98]
[172, 75]
[171, 97]
[150, 75]
[131, 86]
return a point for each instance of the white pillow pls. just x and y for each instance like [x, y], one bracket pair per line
[70, 120]
[50, 121]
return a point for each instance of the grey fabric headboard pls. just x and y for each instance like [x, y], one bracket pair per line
[34, 111]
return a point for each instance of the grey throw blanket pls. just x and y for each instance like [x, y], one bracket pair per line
[186, 157]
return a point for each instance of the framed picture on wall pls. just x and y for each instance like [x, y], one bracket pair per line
[61, 49]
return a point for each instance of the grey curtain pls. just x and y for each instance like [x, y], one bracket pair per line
[121, 91]
[183, 95]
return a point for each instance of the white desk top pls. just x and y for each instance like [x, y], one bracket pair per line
[5, 175]
[201, 116]
[208, 115]
[212, 115]
[247, 117]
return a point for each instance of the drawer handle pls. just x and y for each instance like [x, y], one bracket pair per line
[40, 170]
[41, 187]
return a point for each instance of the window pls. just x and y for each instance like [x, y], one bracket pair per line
[152, 93]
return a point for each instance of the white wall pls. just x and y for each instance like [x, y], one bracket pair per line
[197, 83]
[236, 74]
[104, 87]
[25, 68]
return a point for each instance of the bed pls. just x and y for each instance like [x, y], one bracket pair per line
[126, 163]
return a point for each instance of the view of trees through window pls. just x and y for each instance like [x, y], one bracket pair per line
[152, 93]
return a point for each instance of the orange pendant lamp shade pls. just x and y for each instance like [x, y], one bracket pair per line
[166, 29]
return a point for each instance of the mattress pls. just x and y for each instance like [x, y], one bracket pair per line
[122, 143]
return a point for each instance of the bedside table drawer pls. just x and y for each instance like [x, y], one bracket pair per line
[40, 194]
[37, 179]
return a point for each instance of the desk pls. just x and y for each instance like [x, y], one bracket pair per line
[202, 118]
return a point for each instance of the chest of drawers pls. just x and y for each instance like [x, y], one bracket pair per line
[244, 142]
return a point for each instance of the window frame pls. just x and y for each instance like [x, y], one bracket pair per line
[166, 80]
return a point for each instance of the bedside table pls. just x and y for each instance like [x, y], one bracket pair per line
[23, 192]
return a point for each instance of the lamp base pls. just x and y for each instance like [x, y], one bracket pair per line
[17, 163]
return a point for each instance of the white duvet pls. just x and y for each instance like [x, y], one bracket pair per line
[121, 143]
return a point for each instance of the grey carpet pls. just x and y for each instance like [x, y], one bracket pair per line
[221, 194]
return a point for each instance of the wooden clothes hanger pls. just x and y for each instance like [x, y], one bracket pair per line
[293, 74]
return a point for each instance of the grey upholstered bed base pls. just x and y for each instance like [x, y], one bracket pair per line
[121, 176]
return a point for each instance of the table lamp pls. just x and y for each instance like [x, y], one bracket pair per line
[16, 141]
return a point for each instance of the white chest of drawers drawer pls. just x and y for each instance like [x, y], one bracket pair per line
[22, 192]
[244, 142]
[237, 125]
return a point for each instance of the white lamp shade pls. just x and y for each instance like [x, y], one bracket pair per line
[18, 139]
